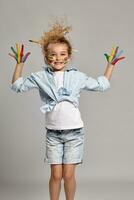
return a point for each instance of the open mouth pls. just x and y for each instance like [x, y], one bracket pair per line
[57, 63]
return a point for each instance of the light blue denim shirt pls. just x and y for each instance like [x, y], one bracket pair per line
[73, 83]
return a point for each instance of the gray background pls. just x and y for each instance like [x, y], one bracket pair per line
[108, 117]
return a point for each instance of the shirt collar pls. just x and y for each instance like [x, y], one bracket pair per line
[50, 70]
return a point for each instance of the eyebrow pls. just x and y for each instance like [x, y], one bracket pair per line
[60, 52]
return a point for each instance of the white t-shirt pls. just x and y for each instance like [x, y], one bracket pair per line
[64, 115]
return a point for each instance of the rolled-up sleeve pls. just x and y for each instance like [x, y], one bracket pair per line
[100, 84]
[24, 84]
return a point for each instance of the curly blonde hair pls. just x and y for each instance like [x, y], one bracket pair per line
[56, 34]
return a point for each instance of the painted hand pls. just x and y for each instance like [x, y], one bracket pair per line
[18, 54]
[114, 57]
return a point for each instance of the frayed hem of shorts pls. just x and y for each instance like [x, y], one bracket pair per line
[71, 162]
[74, 162]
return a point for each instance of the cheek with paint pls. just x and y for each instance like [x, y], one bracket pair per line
[65, 60]
[51, 58]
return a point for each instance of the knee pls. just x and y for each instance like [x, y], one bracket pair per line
[68, 176]
[56, 176]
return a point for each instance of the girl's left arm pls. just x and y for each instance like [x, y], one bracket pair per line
[108, 71]
[102, 83]
[112, 59]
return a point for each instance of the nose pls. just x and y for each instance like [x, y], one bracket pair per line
[58, 57]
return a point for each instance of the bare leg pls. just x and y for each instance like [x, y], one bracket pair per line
[69, 180]
[55, 181]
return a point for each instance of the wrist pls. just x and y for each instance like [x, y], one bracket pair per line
[19, 64]
[110, 65]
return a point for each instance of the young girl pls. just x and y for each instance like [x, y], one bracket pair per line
[59, 87]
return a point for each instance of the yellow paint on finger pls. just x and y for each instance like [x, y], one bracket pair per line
[112, 54]
[18, 47]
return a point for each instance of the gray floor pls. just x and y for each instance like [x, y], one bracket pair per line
[85, 191]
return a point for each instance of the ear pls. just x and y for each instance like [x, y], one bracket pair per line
[46, 61]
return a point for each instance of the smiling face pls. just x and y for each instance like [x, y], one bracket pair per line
[57, 56]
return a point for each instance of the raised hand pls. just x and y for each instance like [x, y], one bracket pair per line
[114, 57]
[18, 54]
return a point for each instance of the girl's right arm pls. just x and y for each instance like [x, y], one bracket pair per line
[20, 58]
[19, 83]
[17, 72]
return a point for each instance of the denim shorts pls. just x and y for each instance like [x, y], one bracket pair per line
[64, 146]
